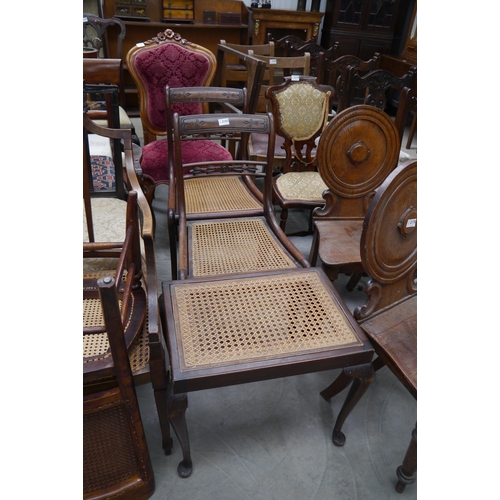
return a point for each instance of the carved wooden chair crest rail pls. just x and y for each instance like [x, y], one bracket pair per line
[388, 249]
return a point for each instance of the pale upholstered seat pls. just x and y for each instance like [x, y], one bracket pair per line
[301, 111]
[169, 60]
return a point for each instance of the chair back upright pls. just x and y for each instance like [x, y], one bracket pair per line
[167, 59]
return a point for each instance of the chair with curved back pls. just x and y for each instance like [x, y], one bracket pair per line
[388, 249]
[118, 242]
[356, 152]
[300, 108]
[168, 59]
[99, 67]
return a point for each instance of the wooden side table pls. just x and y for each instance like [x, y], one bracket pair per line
[290, 19]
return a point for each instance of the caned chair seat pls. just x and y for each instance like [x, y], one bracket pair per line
[235, 246]
[218, 194]
[307, 186]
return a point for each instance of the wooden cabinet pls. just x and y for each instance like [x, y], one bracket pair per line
[286, 20]
[363, 27]
[196, 31]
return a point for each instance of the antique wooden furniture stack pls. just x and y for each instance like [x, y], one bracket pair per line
[388, 249]
[356, 152]
[119, 265]
[233, 316]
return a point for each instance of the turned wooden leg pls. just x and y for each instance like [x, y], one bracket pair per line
[177, 416]
[284, 217]
[313, 253]
[363, 377]
[406, 471]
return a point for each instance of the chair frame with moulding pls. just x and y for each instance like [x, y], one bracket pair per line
[117, 224]
[182, 63]
[278, 303]
[357, 150]
[388, 249]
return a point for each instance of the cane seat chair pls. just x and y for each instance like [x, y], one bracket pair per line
[116, 461]
[226, 223]
[169, 59]
[388, 250]
[118, 242]
[102, 67]
[204, 196]
[356, 152]
[300, 108]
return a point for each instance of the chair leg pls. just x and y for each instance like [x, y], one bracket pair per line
[338, 385]
[313, 253]
[353, 281]
[177, 416]
[363, 377]
[413, 126]
[406, 471]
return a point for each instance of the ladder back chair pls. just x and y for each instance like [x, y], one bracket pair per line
[300, 108]
[356, 152]
[376, 85]
[120, 244]
[388, 250]
[168, 59]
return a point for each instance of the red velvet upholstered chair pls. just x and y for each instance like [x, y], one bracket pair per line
[169, 59]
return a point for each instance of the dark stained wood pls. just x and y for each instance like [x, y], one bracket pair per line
[388, 249]
[357, 151]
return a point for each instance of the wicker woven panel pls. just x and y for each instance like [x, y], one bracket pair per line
[257, 318]
[218, 194]
[107, 434]
[98, 344]
[242, 245]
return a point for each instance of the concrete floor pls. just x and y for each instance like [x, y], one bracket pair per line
[272, 440]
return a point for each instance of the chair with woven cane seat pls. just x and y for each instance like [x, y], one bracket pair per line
[117, 245]
[234, 194]
[168, 59]
[300, 108]
[101, 67]
[229, 217]
[116, 461]
[356, 152]
[388, 250]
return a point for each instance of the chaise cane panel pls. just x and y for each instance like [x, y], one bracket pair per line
[257, 318]
[231, 246]
[227, 194]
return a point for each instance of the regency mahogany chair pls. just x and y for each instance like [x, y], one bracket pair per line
[388, 249]
[99, 67]
[300, 108]
[168, 59]
[226, 236]
[208, 197]
[246, 305]
[118, 242]
[356, 152]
